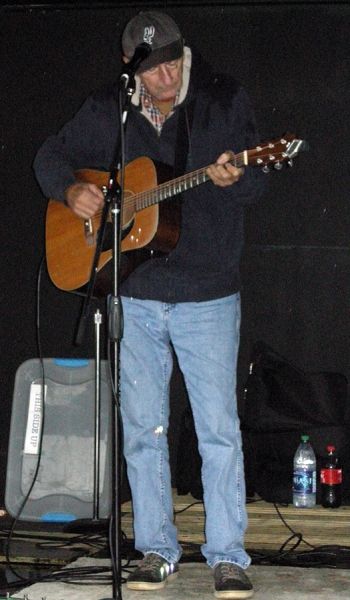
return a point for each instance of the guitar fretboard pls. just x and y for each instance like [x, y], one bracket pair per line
[272, 153]
[177, 186]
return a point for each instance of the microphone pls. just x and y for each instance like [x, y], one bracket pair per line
[142, 51]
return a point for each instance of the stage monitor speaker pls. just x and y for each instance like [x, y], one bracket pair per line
[60, 438]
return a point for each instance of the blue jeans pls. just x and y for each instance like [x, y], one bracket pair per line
[205, 337]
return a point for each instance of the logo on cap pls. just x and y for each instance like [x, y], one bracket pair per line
[148, 34]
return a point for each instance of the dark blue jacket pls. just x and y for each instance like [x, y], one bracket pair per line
[205, 263]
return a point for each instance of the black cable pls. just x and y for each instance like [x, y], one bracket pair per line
[75, 575]
[81, 539]
[25, 500]
[290, 528]
[315, 557]
[178, 512]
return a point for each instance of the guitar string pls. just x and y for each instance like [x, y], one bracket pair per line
[142, 199]
[175, 184]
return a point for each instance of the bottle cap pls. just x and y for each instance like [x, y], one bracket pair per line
[305, 438]
[330, 448]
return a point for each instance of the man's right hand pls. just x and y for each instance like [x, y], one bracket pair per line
[85, 199]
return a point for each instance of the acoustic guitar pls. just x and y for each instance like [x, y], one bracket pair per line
[151, 216]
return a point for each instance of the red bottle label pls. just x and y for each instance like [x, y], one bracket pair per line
[331, 476]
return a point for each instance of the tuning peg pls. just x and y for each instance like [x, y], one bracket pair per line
[278, 166]
[266, 169]
[290, 162]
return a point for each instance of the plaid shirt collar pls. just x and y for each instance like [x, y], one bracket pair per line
[156, 117]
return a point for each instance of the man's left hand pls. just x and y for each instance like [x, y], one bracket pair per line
[223, 173]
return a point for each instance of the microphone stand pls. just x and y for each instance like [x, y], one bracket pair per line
[114, 205]
[114, 197]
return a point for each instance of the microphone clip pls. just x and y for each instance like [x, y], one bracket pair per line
[142, 51]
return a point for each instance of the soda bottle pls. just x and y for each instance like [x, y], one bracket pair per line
[331, 477]
[304, 475]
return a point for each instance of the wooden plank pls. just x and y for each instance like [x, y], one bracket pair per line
[266, 531]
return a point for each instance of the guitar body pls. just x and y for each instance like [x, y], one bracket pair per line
[71, 241]
[151, 216]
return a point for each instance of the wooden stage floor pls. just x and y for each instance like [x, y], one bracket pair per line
[269, 525]
[38, 549]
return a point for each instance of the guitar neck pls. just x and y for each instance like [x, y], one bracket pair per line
[178, 185]
[274, 153]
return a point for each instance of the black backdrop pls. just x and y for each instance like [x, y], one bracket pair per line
[293, 58]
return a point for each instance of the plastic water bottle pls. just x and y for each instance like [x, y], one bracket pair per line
[304, 475]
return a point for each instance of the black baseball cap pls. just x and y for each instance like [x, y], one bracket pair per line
[159, 31]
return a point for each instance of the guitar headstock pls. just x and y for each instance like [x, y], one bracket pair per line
[276, 152]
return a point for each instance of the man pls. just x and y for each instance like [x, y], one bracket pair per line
[186, 301]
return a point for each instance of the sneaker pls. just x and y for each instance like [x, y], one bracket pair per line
[152, 573]
[231, 582]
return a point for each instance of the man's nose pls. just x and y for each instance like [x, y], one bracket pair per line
[165, 73]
